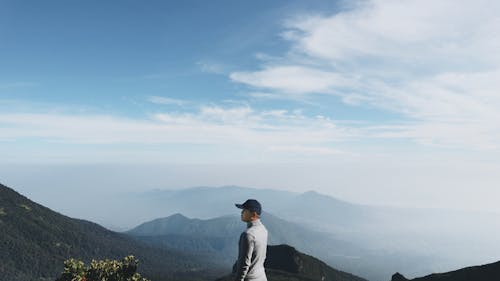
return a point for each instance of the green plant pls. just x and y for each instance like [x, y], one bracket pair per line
[102, 270]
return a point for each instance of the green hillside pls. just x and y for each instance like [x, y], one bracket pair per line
[35, 241]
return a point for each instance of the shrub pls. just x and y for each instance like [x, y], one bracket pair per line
[102, 270]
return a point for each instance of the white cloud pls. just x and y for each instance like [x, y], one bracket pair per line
[263, 95]
[242, 127]
[435, 63]
[166, 100]
[401, 31]
[227, 115]
[291, 79]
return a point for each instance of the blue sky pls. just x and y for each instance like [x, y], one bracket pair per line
[133, 50]
[376, 86]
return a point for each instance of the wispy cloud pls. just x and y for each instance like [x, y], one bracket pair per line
[167, 101]
[435, 64]
[243, 126]
[307, 150]
[291, 79]
[211, 67]
[264, 95]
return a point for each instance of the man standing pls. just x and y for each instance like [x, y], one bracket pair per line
[252, 244]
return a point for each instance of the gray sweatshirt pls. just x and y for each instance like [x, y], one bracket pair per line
[252, 253]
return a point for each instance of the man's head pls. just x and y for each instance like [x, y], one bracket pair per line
[251, 210]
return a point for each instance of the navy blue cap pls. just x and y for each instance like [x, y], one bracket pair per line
[252, 205]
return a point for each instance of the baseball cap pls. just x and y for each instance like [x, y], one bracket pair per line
[252, 205]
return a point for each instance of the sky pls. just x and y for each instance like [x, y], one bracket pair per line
[374, 102]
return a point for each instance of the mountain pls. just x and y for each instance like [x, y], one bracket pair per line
[219, 236]
[393, 239]
[487, 272]
[280, 231]
[34, 242]
[180, 224]
[390, 239]
[210, 202]
[284, 262]
[318, 211]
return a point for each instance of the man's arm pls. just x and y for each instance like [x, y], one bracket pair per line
[246, 246]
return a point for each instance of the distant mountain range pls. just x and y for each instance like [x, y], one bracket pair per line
[209, 202]
[34, 242]
[373, 242]
[284, 262]
[219, 236]
[487, 272]
[398, 226]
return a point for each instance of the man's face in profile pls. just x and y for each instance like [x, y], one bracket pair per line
[246, 215]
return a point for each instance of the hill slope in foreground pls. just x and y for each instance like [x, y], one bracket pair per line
[283, 262]
[35, 241]
[487, 272]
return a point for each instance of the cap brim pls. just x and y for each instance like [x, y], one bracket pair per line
[240, 206]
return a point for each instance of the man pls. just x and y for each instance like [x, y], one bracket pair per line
[252, 244]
